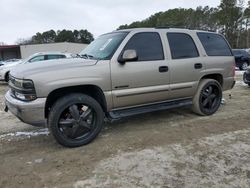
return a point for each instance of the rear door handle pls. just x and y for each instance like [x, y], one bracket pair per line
[163, 69]
[197, 65]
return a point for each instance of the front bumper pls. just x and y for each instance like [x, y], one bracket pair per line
[28, 112]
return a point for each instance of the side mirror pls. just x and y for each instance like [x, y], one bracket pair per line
[128, 55]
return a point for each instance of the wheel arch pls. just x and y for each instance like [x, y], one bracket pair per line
[216, 76]
[90, 90]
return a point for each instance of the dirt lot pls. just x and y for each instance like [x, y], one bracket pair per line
[163, 149]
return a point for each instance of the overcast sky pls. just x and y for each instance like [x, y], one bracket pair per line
[24, 18]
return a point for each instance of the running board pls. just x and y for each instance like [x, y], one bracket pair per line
[116, 114]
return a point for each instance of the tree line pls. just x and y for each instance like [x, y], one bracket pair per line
[51, 36]
[231, 18]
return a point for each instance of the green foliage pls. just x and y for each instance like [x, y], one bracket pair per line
[81, 36]
[230, 18]
[201, 18]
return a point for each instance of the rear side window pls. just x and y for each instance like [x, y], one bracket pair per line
[56, 57]
[37, 58]
[182, 46]
[214, 44]
[147, 45]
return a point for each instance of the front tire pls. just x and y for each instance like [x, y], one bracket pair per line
[7, 77]
[75, 120]
[208, 97]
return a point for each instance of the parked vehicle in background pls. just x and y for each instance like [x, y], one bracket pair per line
[42, 56]
[11, 61]
[246, 76]
[242, 58]
[120, 74]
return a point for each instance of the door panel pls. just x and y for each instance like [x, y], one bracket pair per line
[186, 65]
[137, 83]
[184, 77]
[145, 80]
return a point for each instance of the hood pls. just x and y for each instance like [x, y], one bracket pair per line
[12, 64]
[29, 69]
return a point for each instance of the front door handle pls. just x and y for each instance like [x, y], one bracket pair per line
[163, 69]
[197, 65]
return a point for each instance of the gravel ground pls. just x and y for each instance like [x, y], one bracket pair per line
[174, 148]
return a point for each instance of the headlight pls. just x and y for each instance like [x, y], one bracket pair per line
[20, 83]
[22, 89]
[25, 97]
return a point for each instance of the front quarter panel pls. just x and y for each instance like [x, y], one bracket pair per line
[98, 74]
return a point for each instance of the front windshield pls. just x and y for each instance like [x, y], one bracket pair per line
[104, 46]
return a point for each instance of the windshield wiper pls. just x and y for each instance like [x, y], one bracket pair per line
[86, 56]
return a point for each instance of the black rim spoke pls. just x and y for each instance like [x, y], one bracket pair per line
[86, 114]
[85, 125]
[67, 122]
[205, 94]
[77, 122]
[74, 131]
[210, 97]
[204, 103]
[210, 103]
[74, 112]
[210, 90]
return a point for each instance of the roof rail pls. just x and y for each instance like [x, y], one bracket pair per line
[170, 27]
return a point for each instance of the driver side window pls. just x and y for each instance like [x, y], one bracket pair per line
[147, 45]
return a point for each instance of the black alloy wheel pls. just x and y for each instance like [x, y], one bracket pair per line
[75, 120]
[208, 97]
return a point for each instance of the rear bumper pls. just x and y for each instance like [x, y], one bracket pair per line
[28, 112]
[228, 83]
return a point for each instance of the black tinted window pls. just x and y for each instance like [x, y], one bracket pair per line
[214, 44]
[37, 58]
[147, 45]
[182, 46]
[237, 52]
[56, 57]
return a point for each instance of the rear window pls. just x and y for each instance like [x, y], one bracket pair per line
[214, 44]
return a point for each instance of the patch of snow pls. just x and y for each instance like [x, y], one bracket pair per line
[237, 73]
[241, 83]
[216, 161]
[10, 136]
[38, 161]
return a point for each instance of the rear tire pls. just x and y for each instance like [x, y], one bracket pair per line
[75, 120]
[208, 97]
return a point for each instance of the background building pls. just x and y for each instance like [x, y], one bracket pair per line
[24, 51]
[10, 52]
